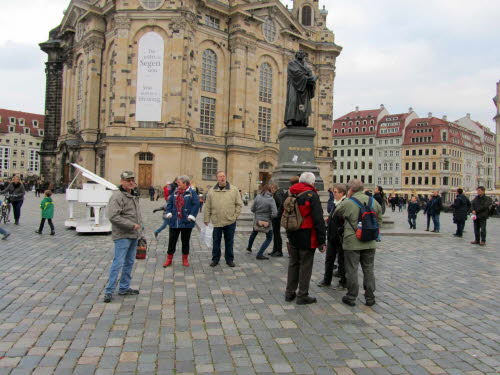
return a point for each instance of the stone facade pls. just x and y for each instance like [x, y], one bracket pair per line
[496, 101]
[251, 42]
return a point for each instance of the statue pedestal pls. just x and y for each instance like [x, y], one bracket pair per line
[296, 156]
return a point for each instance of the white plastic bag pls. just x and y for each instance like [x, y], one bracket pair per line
[206, 234]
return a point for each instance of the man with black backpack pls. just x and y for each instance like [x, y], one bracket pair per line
[363, 217]
[303, 220]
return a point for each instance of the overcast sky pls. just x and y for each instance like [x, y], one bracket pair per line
[439, 56]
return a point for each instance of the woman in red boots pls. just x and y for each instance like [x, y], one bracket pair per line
[182, 207]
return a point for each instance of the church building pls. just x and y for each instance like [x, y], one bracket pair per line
[171, 87]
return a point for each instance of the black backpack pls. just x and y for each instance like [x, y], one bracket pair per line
[368, 229]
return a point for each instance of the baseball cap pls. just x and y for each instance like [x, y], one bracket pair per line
[127, 174]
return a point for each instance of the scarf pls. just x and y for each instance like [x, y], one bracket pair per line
[179, 200]
[341, 199]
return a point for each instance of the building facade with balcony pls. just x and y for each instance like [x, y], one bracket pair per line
[21, 135]
[165, 88]
[388, 144]
[439, 155]
[354, 145]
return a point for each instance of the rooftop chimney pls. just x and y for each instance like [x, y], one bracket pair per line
[410, 110]
[357, 109]
[429, 114]
[382, 106]
[468, 115]
[445, 117]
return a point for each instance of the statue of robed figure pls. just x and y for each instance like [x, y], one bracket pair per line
[301, 84]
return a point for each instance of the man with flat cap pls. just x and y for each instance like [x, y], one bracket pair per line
[126, 228]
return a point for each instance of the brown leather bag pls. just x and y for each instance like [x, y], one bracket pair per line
[261, 226]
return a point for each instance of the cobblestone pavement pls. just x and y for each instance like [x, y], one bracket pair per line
[437, 309]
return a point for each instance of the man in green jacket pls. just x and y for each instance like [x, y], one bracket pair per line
[356, 251]
[222, 208]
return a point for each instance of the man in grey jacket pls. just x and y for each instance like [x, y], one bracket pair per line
[125, 216]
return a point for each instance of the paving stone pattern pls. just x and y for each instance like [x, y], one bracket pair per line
[437, 309]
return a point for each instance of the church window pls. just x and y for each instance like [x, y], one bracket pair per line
[306, 15]
[146, 156]
[269, 29]
[209, 168]
[264, 124]
[151, 4]
[209, 71]
[207, 115]
[266, 83]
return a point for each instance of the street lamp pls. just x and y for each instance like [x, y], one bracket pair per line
[249, 182]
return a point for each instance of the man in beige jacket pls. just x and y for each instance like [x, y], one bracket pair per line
[222, 207]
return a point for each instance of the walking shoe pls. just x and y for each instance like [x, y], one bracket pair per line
[38, 232]
[214, 263]
[482, 243]
[347, 301]
[185, 260]
[230, 263]
[336, 274]
[427, 230]
[128, 292]
[108, 297]
[52, 233]
[323, 283]
[261, 257]
[5, 236]
[342, 285]
[249, 250]
[276, 255]
[370, 302]
[290, 297]
[168, 261]
[457, 235]
[433, 230]
[306, 300]
[156, 235]
[474, 243]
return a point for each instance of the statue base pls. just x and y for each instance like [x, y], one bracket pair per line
[296, 156]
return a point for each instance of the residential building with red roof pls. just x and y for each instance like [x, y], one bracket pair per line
[354, 145]
[21, 134]
[388, 142]
[440, 155]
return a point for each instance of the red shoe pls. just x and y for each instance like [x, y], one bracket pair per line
[168, 262]
[185, 261]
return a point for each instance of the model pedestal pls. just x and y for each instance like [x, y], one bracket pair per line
[296, 156]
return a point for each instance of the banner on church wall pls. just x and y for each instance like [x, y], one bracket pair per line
[149, 78]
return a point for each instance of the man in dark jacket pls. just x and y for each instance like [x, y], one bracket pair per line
[435, 207]
[480, 212]
[334, 240]
[461, 206]
[278, 195]
[305, 241]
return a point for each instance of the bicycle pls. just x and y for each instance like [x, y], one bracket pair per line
[5, 209]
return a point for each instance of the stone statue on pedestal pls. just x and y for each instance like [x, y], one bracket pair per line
[301, 84]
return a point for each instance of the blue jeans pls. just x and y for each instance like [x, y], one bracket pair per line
[228, 232]
[4, 231]
[435, 220]
[125, 249]
[163, 226]
[265, 244]
[412, 220]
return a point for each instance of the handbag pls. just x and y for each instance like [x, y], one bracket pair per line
[142, 247]
[261, 226]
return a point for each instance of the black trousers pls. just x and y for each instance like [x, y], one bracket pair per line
[42, 223]
[173, 236]
[277, 241]
[334, 250]
[480, 229]
[300, 267]
[16, 207]
[460, 227]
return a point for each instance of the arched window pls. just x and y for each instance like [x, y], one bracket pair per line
[265, 165]
[209, 169]
[266, 83]
[269, 29]
[209, 71]
[79, 96]
[306, 15]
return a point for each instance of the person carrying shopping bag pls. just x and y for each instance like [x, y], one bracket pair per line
[264, 208]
